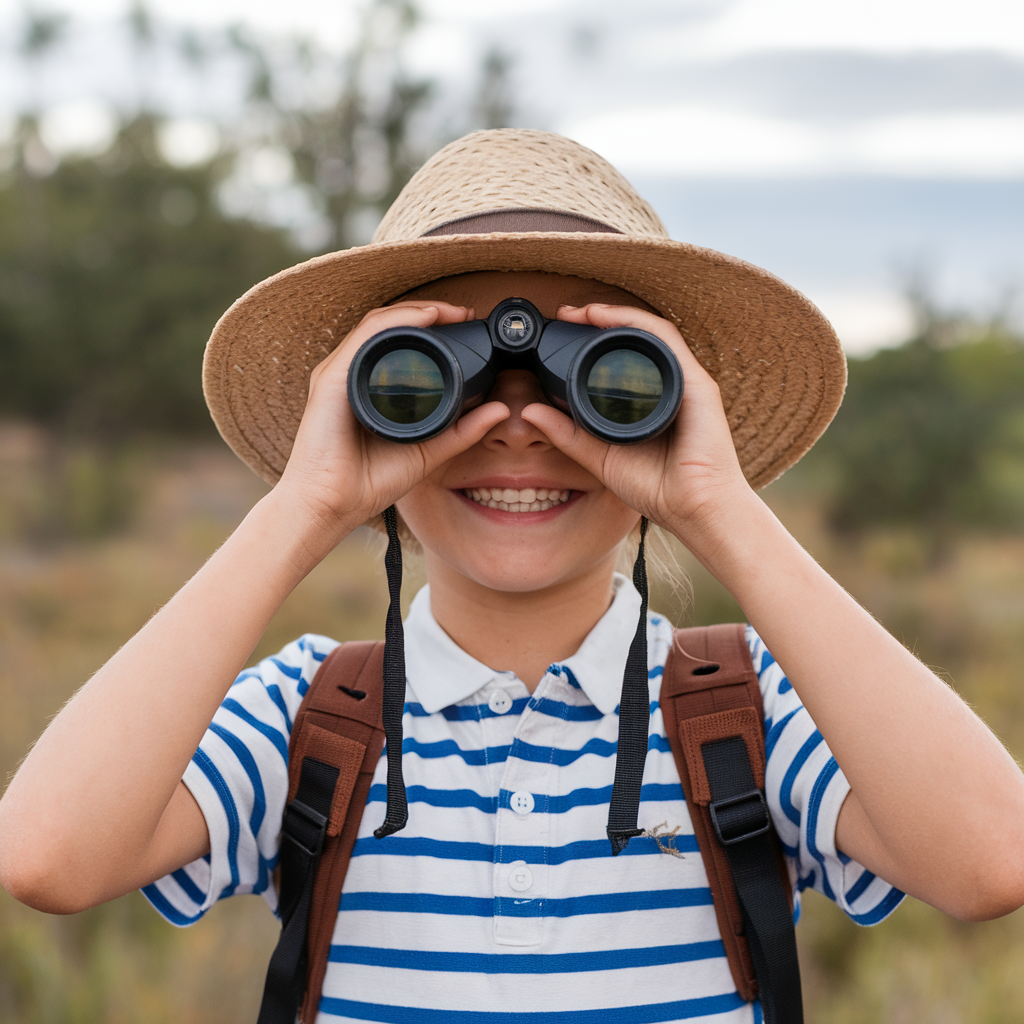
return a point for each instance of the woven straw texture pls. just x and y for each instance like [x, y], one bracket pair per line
[777, 361]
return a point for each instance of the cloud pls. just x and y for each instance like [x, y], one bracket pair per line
[703, 141]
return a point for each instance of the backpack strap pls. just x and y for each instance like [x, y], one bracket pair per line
[336, 742]
[714, 718]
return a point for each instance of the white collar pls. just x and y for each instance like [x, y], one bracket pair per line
[441, 673]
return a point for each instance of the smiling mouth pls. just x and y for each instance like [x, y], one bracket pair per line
[525, 499]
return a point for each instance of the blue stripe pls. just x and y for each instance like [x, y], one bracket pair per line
[776, 731]
[449, 748]
[437, 797]
[884, 909]
[584, 849]
[653, 791]
[192, 891]
[526, 963]
[786, 795]
[652, 1013]
[241, 751]
[599, 748]
[305, 644]
[275, 695]
[466, 712]
[658, 670]
[566, 712]
[166, 909]
[858, 888]
[259, 800]
[574, 906]
[274, 735]
[206, 766]
[559, 670]
[291, 671]
[825, 776]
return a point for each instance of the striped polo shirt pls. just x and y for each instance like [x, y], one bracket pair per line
[500, 901]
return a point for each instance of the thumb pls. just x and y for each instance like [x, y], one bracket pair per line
[462, 434]
[589, 451]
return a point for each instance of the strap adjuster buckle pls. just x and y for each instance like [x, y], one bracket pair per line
[741, 817]
[305, 827]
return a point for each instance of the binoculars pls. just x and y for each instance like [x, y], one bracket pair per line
[620, 384]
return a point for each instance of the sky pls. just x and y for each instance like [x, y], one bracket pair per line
[853, 148]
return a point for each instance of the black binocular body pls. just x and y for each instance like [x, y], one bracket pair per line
[620, 384]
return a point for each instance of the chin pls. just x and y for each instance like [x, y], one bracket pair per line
[514, 570]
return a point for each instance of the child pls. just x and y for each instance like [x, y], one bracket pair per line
[500, 900]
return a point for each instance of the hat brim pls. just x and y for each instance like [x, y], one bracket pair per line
[777, 360]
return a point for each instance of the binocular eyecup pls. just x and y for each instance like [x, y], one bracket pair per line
[622, 385]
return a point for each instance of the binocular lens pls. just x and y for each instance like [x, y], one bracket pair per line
[624, 386]
[405, 386]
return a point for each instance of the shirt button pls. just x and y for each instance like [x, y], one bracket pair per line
[499, 702]
[521, 802]
[520, 877]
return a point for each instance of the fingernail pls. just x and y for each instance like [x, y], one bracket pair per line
[565, 305]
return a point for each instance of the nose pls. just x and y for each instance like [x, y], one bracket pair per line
[517, 389]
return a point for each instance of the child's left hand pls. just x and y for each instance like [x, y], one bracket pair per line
[679, 478]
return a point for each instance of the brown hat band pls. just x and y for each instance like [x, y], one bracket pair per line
[520, 220]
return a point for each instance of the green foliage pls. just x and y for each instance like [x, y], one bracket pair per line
[113, 271]
[930, 436]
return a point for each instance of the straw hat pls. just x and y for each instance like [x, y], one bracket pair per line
[521, 200]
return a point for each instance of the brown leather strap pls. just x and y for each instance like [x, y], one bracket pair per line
[709, 692]
[337, 726]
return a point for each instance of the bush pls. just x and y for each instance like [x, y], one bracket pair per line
[930, 435]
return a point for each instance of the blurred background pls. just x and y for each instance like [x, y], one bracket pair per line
[158, 159]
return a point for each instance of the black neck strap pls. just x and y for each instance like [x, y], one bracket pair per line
[393, 704]
[634, 721]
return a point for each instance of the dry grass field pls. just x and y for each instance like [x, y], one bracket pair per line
[66, 604]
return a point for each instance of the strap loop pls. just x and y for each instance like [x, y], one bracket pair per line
[741, 817]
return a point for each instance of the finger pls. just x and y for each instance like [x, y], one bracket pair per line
[463, 434]
[605, 316]
[589, 451]
[406, 314]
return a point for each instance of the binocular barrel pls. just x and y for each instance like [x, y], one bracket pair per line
[622, 385]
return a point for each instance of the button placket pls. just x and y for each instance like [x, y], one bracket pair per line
[521, 884]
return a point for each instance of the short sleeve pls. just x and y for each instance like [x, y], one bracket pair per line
[805, 789]
[239, 778]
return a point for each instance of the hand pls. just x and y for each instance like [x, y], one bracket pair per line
[341, 475]
[677, 479]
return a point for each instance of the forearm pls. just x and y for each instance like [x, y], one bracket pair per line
[87, 801]
[935, 797]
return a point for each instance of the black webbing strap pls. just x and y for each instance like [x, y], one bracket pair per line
[740, 817]
[634, 722]
[302, 839]
[393, 705]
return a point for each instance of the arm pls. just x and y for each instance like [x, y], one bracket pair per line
[98, 807]
[937, 804]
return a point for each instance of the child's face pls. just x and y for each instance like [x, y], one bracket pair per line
[520, 551]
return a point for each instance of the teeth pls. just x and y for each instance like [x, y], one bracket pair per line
[508, 499]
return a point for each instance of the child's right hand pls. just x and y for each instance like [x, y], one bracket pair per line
[339, 475]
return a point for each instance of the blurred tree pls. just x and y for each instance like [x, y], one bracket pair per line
[361, 150]
[495, 106]
[112, 273]
[930, 435]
